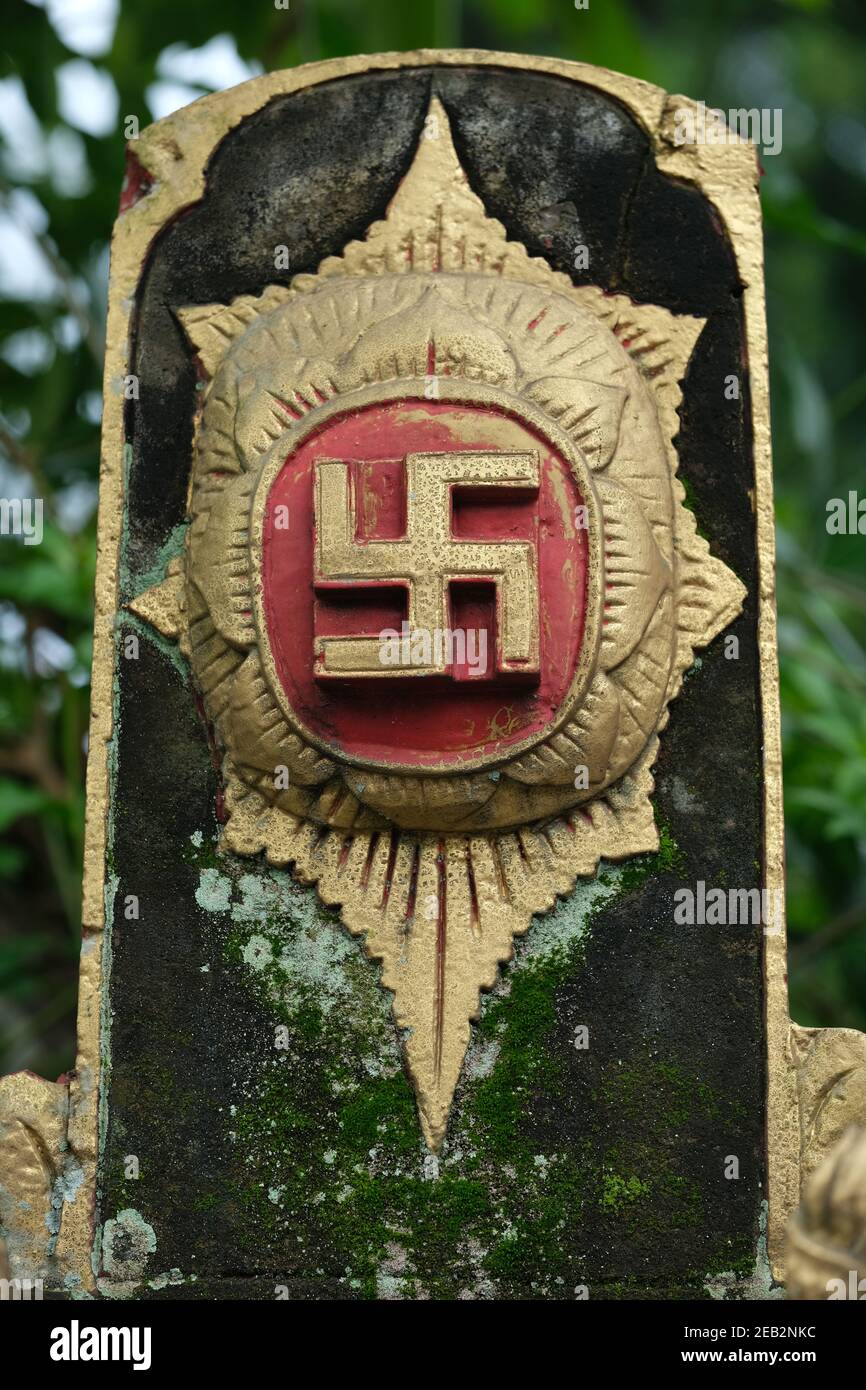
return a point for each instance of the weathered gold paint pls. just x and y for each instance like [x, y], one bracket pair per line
[428, 558]
[175, 152]
[826, 1247]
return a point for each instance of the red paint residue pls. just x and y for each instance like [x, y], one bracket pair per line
[427, 720]
[291, 410]
[137, 182]
[441, 948]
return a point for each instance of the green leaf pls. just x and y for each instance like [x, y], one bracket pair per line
[17, 800]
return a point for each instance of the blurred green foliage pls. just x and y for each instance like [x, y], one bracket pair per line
[62, 156]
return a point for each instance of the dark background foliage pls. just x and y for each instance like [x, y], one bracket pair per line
[71, 71]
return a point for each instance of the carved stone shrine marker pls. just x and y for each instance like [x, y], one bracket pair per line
[434, 942]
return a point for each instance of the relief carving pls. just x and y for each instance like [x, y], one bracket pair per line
[437, 435]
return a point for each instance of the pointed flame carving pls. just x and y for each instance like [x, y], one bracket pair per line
[438, 868]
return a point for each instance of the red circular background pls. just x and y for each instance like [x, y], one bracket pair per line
[420, 721]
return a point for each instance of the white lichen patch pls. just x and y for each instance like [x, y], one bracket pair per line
[683, 799]
[757, 1286]
[258, 952]
[128, 1241]
[301, 955]
[214, 891]
[170, 1276]
[568, 920]
[390, 1289]
[431, 1167]
[481, 1057]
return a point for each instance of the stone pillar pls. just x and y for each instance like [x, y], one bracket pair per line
[434, 903]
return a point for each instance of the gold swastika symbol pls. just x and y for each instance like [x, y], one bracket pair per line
[428, 558]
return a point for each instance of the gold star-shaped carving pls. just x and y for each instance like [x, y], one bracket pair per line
[438, 869]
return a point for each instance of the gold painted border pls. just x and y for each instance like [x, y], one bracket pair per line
[175, 151]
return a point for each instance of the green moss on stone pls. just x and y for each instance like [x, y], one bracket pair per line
[332, 1177]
